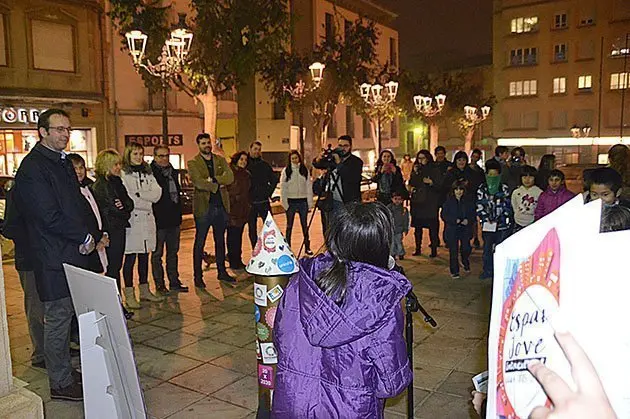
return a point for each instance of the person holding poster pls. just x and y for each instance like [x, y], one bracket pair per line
[339, 326]
[495, 213]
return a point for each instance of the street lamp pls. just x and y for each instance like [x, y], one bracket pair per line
[299, 91]
[379, 98]
[170, 62]
[472, 118]
[580, 132]
[430, 109]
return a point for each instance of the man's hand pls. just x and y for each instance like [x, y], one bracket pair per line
[477, 400]
[428, 180]
[337, 158]
[87, 246]
[589, 401]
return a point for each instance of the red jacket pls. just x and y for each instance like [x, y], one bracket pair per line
[549, 201]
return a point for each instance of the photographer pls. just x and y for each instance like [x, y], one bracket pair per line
[345, 173]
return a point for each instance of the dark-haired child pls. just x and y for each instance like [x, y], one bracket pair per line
[525, 198]
[458, 213]
[554, 196]
[605, 183]
[339, 326]
[400, 220]
[614, 218]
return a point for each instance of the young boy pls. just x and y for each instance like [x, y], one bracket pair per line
[605, 184]
[495, 213]
[525, 198]
[400, 217]
[554, 196]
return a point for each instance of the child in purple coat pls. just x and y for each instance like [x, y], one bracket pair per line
[554, 196]
[339, 326]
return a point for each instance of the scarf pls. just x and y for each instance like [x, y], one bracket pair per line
[493, 183]
[167, 172]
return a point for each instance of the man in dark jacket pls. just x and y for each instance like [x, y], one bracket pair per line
[168, 220]
[14, 228]
[264, 182]
[47, 195]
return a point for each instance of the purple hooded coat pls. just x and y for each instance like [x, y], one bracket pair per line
[340, 361]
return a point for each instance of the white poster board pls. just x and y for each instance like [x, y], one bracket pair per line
[111, 387]
[560, 265]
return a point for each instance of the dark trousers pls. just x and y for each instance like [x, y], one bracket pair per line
[433, 225]
[458, 243]
[34, 314]
[217, 218]
[490, 240]
[301, 207]
[235, 244]
[259, 209]
[115, 253]
[143, 268]
[57, 317]
[169, 238]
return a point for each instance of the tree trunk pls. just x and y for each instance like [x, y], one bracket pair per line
[434, 133]
[210, 108]
[468, 140]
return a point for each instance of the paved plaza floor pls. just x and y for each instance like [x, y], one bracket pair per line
[196, 356]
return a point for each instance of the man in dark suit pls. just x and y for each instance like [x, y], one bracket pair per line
[47, 195]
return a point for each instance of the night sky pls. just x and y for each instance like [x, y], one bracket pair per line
[443, 34]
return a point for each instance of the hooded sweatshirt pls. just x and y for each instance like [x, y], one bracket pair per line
[340, 361]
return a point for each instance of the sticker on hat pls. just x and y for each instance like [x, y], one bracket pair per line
[271, 255]
[275, 293]
[256, 313]
[269, 354]
[270, 316]
[262, 331]
[260, 294]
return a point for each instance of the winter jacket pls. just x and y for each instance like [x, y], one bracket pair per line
[14, 228]
[468, 175]
[145, 191]
[511, 175]
[199, 174]
[298, 187]
[443, 168]
[167, 213]
[47, 196]
[387, 183]
[400, 217]
[340, 361]
[238, 192]
[424, 198]
[92, 223]
[549, 201]
[264, 180]
[495, 208]
[524, 202]
[107, 190]
[453, 210]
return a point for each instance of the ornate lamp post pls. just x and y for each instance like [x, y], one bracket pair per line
[472, 118]
[299, 91]
[379, 98]
[580, 132]
[170, 62]
[430, 109]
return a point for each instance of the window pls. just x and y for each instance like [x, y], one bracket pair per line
[587, 21]
[559, 85]
[330, 27]
[394, 129]
[331, 131]
[523, 88]
[347, 26]
[586, 49]
[560, 21]
[559, 119]
[524, 24]
[393, 54]
[618, 81]
[3, 42]
[523, 56]
[59, 58]
[585, 82]
[278, 110]
[349, 121]
[367, 133]
[560, 52]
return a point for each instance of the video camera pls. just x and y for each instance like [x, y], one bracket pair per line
[327, 161]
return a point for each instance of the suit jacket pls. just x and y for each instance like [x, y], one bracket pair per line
[199, 175]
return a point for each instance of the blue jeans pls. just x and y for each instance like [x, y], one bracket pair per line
[458, 243]
[397, 245]
[490, 240]
[217, 218]
[301, 207]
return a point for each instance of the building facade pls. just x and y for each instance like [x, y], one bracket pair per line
[51, 55]
[278, 130]
[560, 77]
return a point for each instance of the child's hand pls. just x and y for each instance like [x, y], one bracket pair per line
[477, 400]
[459, 221]
[465, 222]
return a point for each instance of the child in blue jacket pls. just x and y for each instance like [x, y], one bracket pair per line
[459, 215]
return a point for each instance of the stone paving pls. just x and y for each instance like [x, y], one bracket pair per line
[196, 358]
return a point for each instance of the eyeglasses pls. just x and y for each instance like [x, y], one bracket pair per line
[162, 156]
[61, 130]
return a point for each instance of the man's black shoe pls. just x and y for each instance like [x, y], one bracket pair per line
[162, 290]
[179, 288]
[74, 392]
[225, 277]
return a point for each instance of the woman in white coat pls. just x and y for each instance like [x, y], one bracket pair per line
[296, 191]
[142, 187]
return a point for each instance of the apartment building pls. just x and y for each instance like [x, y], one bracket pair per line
[277, 129]
[560, 76]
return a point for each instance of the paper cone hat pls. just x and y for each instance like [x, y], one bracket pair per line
[271, 255]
